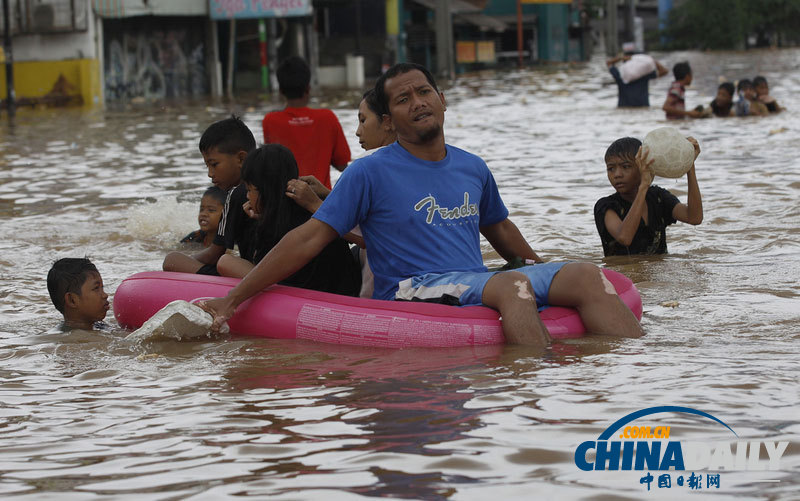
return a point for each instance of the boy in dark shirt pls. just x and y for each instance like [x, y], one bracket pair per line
[635, 218]
[224, 146]
[722, 105]
[76, 289]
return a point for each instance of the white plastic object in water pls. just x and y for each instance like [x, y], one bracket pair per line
[672, 153]
[177, 320]
[636, 67]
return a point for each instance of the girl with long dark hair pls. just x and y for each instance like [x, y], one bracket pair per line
[266, 173]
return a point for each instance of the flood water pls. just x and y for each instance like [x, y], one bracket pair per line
[92, 417]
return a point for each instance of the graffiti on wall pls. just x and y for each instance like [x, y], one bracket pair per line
[154, 64]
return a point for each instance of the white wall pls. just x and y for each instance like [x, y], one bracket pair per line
[81, 45]
[58, 46]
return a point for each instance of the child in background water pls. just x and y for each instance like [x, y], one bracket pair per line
[76, 289]
[635, 218]
[266, 173]
[675, 105]
[722, 105]
[762, 94]
[748, 104]
[211, 206]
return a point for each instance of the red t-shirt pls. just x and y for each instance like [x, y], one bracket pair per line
[314, 136]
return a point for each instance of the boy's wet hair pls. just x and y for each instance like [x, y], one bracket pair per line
[680, 70]
[216, 193]
[398, 69]
[744, 84]
[294, 77]
[624, 147]
[759, 80]
[371, 98]
[728, 86]
[68, 275]
[229, 136]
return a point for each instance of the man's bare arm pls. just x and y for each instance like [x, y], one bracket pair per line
[294, 251]
[507, 240]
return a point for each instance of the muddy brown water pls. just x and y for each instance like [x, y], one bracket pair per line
[92, 417]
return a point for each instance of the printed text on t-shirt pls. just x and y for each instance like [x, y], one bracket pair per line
[301, 121]
[465, 210]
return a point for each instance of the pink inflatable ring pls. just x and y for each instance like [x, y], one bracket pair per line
[290, 313]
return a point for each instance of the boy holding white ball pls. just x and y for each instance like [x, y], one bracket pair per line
[634, 219]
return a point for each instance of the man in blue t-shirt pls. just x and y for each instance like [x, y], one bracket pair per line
[422, 206]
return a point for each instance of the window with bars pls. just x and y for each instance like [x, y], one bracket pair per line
[45, 16]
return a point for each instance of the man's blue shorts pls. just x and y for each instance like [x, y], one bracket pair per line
[465, 288]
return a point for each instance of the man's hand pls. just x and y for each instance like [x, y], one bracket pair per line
[645, 166]
[221, 309]
[316, 186]
[303, 194]
[696, 146]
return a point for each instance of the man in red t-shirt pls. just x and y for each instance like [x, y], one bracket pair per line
[314, 136]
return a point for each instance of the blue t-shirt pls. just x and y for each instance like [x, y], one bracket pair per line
[416, 216]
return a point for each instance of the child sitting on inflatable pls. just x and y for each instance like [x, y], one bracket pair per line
[224, 146]
[373, 132]
[211, 206]
[266, 173]
[76, 289]
[634, 219]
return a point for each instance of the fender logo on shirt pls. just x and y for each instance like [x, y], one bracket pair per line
[465, 210]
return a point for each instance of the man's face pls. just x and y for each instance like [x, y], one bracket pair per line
[415, 107]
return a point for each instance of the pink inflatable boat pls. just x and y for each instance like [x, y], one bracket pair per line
[291, 313]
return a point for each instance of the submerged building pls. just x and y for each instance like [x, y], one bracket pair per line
[67, 52]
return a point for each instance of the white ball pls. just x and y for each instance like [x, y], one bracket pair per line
[672, 153]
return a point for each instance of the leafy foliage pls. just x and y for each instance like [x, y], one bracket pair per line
[728, 24]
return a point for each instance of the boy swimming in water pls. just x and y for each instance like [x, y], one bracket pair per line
[722, 105]
[634, 219]
[748, 103]
[76, 289]
[762, 94]
[211, 206]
